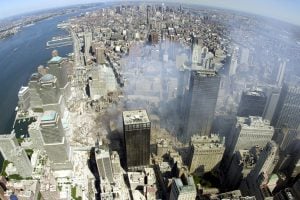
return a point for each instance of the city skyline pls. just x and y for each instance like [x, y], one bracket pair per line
[282, 10]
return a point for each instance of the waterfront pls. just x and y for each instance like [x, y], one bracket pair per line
[19, 57]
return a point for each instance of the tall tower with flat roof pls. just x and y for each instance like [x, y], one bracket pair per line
[288, 108]
[137, 128]
[57, 66]
[200, 102]
[54, 140]
[14, 153]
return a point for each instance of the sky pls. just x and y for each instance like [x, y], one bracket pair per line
[286, 10]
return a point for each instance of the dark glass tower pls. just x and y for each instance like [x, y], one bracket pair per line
[288, 108]
[200, 102]
[252, 103]
[136, 128]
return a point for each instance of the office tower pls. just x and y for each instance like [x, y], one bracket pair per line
[273, 97]
[42, 70]
[249, 132]
[137, 128]
[24, 98]
[100, 57]
[13, 152]
[104, 165]
[87, 42]
[233, 66]
[234, 61]
[200, 102]
[49, 90]
[54, 140]
[255, 183]
[183, 188]
[50, 94]
[116, 165]
[285, 137]
[58, 67]
[245, 56]
[206, 153]
[196, 54]
[266, 162]
[241, 165]
[35, 99]
[252, 103]
[154, 37]
[35, 135]
[280, 74]
[288, 108]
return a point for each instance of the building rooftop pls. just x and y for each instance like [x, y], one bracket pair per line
[135, 117]
[189, 186]
[49, 116]
[205, 72]
[47, 78]
[55, 59]
[254, 122]
[23, 90]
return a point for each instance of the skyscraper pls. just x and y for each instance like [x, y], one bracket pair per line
[104, 165]
[136, 128]
[50, 94]
[206, 153]
[288, 108]
[14, 153]
[54, 140]
[57, 66]
[280, 74]
[200, 102]
[87, 42]
[100, 57]
[24, 98]
[252, 103]
[183, 188]
[249, 132]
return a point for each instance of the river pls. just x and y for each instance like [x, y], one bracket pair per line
[20, 55]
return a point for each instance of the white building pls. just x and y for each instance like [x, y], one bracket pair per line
[249, 132]
[206, 153]
[14, 153]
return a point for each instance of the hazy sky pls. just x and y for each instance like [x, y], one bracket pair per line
[287, 10]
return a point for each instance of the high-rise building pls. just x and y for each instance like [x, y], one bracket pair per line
[50, 94]
[13, 152]
[273, 97]
[245, 56]
[24, 98]
[104, 165]
[54, 140]
[35, 99]
[280, 74]
[288, 108]
[183, 188]
[262, 170]
[57, 66]
[100, 57]
[241, 165]
[249, 132]
[285, 137]
[206, 153]
[256, 181]
[87, 42]
[252, 103]
[137, 128]
[200, 102]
